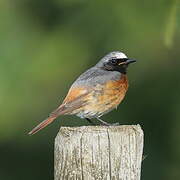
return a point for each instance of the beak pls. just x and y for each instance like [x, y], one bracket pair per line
[129, 61]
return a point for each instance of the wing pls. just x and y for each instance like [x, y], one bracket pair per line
[75, 99]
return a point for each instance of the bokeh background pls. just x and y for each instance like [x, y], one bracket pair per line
[45, 45]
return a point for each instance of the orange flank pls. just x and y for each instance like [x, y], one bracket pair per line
[74, 93]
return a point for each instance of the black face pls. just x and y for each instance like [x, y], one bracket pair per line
[119, 65]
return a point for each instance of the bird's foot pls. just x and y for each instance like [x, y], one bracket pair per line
[115, 124]
[112, 124]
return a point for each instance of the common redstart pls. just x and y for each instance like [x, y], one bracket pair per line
[96, 92]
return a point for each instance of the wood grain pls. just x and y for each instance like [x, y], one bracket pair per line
[98, 153]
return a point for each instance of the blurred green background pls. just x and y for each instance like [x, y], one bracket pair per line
[45, 45]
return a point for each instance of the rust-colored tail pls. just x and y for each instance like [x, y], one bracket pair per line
[42, 124]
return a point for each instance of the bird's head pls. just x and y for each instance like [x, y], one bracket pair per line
[115, 61]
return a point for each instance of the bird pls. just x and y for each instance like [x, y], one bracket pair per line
[95, 92]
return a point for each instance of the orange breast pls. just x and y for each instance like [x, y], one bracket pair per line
[106, 97]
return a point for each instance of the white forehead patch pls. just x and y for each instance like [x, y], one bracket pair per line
[111, 55]
[120, 55]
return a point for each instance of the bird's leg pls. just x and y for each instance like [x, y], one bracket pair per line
[105, 123]
[90, 121]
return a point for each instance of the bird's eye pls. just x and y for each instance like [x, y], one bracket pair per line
[113, 61]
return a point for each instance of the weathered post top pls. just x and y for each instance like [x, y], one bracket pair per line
[98, 153]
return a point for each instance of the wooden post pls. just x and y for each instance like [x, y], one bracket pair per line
[98, 153]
